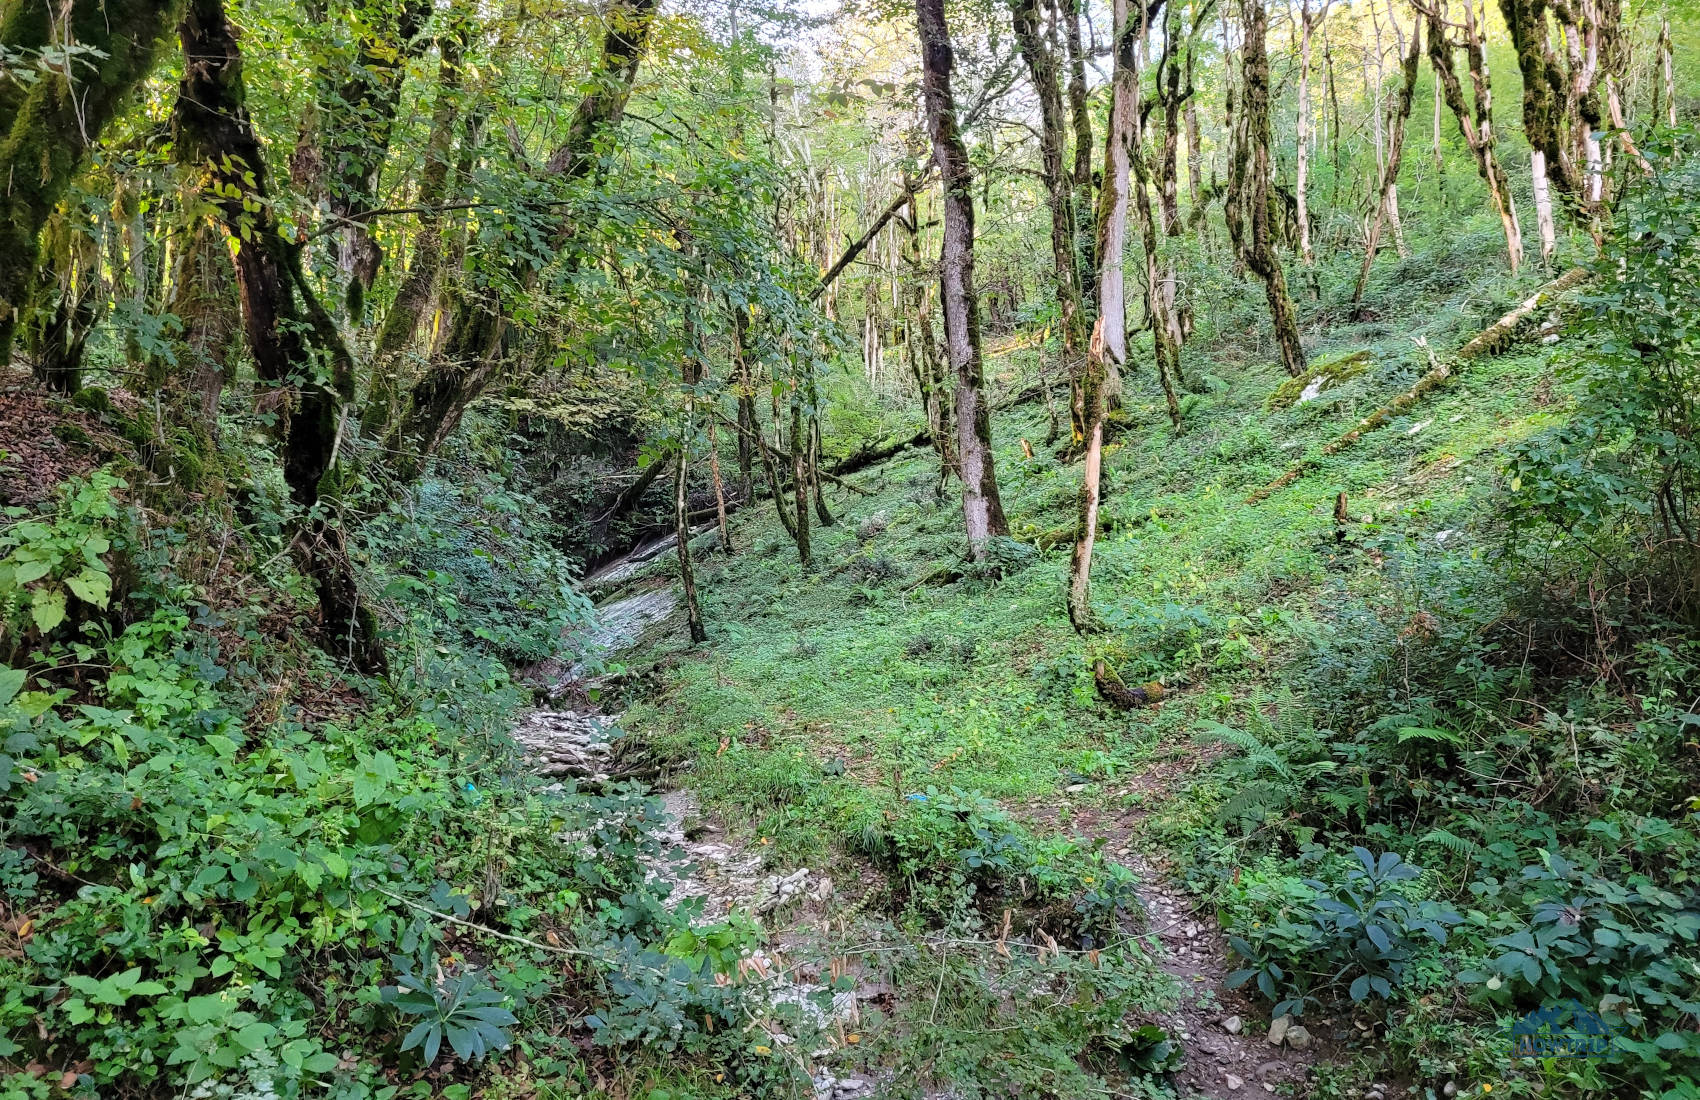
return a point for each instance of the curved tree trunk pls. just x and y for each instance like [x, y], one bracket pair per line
[982, 509]
[1477, 130]
[1385, 207]
[292, 338]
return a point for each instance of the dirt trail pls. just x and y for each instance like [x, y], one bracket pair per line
[1224, 1034]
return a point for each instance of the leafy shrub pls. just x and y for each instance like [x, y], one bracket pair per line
[50, 565]
[1617, 942]
[460, 1007]
[1359, 933]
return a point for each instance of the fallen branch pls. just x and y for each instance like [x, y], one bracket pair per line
[478, 927]
[1489, 340]
[868, 456]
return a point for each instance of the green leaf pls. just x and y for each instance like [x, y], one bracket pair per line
[47, 608]
[11, 680]
[91, 586]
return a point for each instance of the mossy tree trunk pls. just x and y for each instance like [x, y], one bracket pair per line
[982, 508]
[49, 127]
[294, 342]
[1477, 128]
[1251, 206]
[1043, 70]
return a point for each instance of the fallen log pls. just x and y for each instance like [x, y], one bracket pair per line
[1489, 340]
[867, 456]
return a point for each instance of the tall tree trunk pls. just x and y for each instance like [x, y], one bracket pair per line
[748, 429]
[1109, 333]
[1042, 69]
[982, 509]
[1308, 22]
[682, 534]
[1667, 76]
[1251, 184]
[1388, 191]
[930, 379]
[691, 370]
[292, 338]
[401, 322]
[47, 130]
[799, 473]
[1080, 182]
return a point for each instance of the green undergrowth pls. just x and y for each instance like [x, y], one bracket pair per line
[1424, 683]
[229, 869]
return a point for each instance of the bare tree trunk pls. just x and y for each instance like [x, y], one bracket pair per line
[1667, 75]
[682, 534]
[982, 509]
[1544, 221]
[1385, 206]
[1308, 23]
[719, 489]
[1109, 333]
[799, 474]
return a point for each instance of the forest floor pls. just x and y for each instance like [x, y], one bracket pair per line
[832, 697]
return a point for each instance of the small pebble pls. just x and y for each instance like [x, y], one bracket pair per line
[1232, 1025]
[1233, 1083]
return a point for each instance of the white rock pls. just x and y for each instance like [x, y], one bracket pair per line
[1419, 426]
[1234, 1083]
[1232, 1025]
[1278, 1030]
[1298, 1037]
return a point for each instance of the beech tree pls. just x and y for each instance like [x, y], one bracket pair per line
[982, 509]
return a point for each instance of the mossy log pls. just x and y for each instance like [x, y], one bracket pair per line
[1490, 340]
